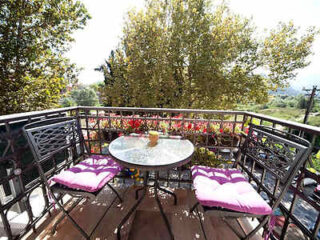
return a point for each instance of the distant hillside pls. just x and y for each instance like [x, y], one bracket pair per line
[287, 91]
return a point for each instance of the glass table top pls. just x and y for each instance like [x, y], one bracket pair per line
[135, 151]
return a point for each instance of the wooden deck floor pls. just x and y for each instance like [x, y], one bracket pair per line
[145, 224]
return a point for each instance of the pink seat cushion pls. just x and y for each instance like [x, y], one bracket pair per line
[227, 188]
[89, 175]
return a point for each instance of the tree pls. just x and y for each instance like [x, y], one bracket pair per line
[85, 97]
[67, 102]
[302, 102]
[189, 53]
[97, 87]
[34, 35]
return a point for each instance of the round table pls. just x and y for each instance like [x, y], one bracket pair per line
[135, 152]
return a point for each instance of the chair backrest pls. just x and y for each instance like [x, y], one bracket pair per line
[272, 158]
[52, 136]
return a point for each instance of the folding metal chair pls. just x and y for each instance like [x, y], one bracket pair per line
[61, 140]
[271, 159]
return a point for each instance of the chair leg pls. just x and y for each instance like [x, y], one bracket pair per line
[54, 228]
[66, 213]
[194, 207]
[254, 231]
[233, 230]
[249, 235]
[201, 223]
[243, 231]
[115, 191]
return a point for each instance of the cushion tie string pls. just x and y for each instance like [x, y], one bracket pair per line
[271, 224]
[50, 196]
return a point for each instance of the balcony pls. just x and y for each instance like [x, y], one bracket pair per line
[27, 212]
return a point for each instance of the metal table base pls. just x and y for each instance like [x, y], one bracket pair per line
[157, 188]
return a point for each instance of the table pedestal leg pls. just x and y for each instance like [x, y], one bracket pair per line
[137, 192]
[156, 188]
[169, 192]
[145, 182]
[166, 190]
[144, 189]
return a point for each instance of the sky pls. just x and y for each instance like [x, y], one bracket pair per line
[94, 43]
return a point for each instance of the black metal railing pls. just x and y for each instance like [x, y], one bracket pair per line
[219, 131]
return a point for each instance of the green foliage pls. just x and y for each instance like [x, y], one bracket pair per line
[81, 97]
[205, 157]
[315, 158]
[191, 54]
[34, 35]
[287, 107]
[96, 86]
[314, 120]
[67, 102]
[302, 102]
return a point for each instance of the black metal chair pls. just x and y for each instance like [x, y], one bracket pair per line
[271, 159]
[61, 140]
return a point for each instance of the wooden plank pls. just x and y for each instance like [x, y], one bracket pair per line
[86, 214]
[215, 228]
[146, 223]
[221, 230]
[149, 225]
[107, 227]
[207, 227]
[248, 224]
[183, 224]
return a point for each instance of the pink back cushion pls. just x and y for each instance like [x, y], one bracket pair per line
[89, 175]
[227, 188]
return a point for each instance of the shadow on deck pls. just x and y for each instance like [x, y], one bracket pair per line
[145, 224]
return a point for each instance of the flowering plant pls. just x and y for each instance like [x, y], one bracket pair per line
[202, 131]
[315, 159]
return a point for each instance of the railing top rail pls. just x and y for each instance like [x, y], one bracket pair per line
[300, 126]
[172, 110]
[25, 115]
[290, 124]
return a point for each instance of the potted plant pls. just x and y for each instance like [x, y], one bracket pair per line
[206, 157]
[227, 137]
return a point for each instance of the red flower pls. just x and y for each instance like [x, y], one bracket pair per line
[137, 124]
[204, 130]
[197, 128]
[134, 123]
[178, 116]
[189, 126]
[120, 134]
[221, 130]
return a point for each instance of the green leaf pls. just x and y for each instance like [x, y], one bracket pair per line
[34, 35]
[199, 54]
